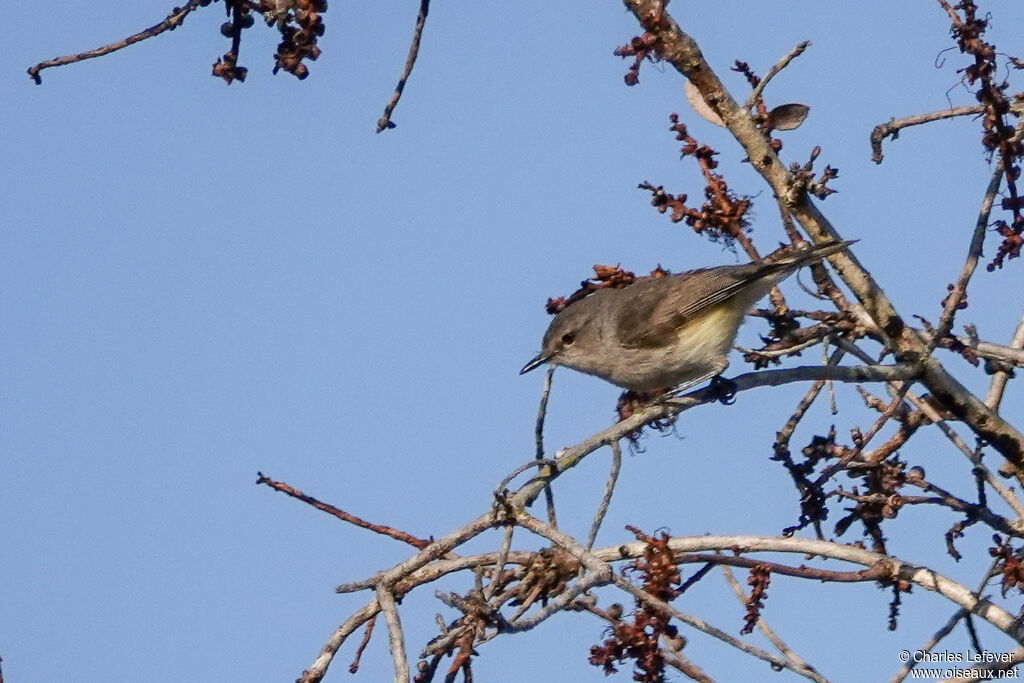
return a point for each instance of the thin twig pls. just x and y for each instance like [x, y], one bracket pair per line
[872, 573]
[397, 638]
[959, 292]
[782, 64]
[786, 433]
[551, 467]
[385, 121]
[499, 566]
[317, 670]
[892, 127]
[789, 350]
[894, 406]
[681, 663]
[542, 411]
[606, 499]
[354, 666]
[943, 631]
[173, 21]
[341, 514]
[779, 644]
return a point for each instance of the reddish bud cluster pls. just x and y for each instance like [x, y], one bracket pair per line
[760, 577]
[997, 136]
[804, 181]
[639, 640]
[723, 215]
[1009, 564]
[882, 499]
[640, 48]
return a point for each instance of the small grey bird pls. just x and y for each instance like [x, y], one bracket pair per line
[667, 332]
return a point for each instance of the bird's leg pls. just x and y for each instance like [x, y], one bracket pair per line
[689, 384]
[723, 390]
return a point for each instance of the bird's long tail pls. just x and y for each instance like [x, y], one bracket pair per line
[792, 257]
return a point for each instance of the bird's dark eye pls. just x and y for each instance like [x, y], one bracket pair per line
[568, 338]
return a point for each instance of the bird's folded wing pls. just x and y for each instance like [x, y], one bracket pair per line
[656, 313]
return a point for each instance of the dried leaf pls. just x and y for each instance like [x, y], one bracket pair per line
[696, 101]
[787, 116]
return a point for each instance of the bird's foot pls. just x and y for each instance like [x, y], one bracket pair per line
[723, 390]
[632, 401]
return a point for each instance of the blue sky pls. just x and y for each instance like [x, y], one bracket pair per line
[200, 282]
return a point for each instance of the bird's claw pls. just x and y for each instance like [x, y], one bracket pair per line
[723, 390]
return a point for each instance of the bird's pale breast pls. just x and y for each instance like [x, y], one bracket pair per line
[700, 348]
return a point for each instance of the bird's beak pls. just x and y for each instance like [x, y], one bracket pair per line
[540, 360]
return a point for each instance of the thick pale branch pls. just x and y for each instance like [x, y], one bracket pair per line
[922, 576]
[396, 638]
[995, 391]
[607, 575]
[317, 670]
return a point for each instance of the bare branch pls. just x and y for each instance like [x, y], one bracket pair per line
[892, 127]
[549, 495]
[945, 630]
[779, 644]
[414, 50]
[499, 567]
[173, 21]
[782, 64]
[397, 639]
[396, 534]
[1006, 355]
[354, 666]
[606, 499]
[317, 670]
[959, 291]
